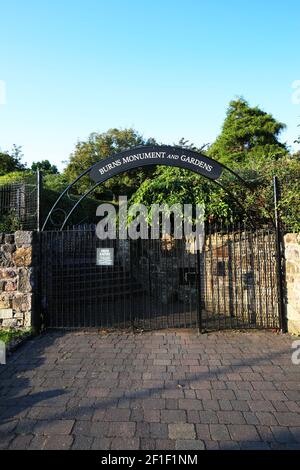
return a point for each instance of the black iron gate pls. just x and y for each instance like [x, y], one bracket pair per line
[166, 283]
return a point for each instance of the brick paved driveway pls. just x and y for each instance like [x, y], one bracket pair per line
[162, 390]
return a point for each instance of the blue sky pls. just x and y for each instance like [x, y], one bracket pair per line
[166, 67]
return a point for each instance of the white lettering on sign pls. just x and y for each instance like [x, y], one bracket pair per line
[105, 257]
[196, 162]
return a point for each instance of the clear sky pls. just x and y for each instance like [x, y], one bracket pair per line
[166, 67]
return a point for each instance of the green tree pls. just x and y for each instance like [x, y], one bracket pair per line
[248, 133]
[100, 146]
[45, 166]
[248, 144]
[11, 161]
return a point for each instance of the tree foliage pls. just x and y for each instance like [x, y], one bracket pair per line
[247, 134]
[100, 146]
[11, 161]
[45, 167]
[248, 144]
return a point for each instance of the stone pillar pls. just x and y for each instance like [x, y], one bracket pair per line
[18, 273]
[292, 266]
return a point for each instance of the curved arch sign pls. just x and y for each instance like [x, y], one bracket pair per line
[155, 155]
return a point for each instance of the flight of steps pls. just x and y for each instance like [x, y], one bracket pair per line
[87, 281]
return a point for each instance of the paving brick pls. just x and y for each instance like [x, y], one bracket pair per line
[208, 417]
[173, 416]
[58, 442]
[147, 444]
[171, 404]
[240, 405]
[158, 430]
[82, 443]
[219, 432]
[7, 427]
[266, 418]
[83, 428]
[125, 444]
[223, 395]
[254, 445]
[244, 432]
[182, 431]
[283, 434]
[117, 414]
[55, 427]
[281, 406]
[261, 405]
[25, 426]
[153, 404]
[152, 416]
[225, 405]
[210, 405]
[137, 415]
[37, 443]
[231, 417]
[189, 445]
[288, 419]
[211, 445]
[229, 445]
[164, 444]
[193, 416]
[295, 431]
[21, 442]
[203, 394]
[202, 432]
[110, 394]
[142, 430]
[101, 443]
[190, 404]
[121, 429]
[274, 395]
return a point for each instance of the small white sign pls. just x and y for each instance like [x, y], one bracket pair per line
[105, 257]
[2, 353]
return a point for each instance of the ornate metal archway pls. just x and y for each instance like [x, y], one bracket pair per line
[145, 156]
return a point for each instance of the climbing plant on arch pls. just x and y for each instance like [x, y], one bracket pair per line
[138, 158]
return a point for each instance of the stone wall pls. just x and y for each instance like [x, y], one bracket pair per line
[17, 279]
[292, 277]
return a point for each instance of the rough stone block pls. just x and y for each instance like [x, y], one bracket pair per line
[23, 256]
[25, 280]
[7, 273]
[10, 286]
[6, 313]
[28, 319]
[9, 238]
[20, 302]
[10, 323]
[5, 302]
[292, 255]
[23, 238]
[5, 258]
[8, 248]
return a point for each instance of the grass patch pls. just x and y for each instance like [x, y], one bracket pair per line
[8, 335]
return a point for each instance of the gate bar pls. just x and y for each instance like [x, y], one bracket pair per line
[279, 264]
[199, 303]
